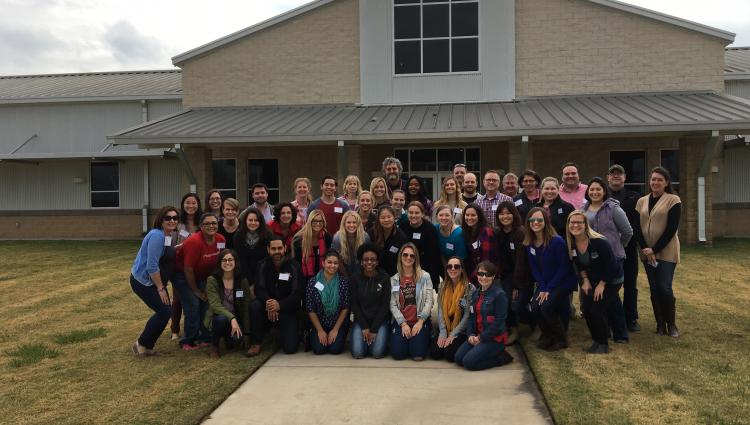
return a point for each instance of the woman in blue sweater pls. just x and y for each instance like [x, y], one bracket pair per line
[146, 281]
[600, 274]
[553, 272]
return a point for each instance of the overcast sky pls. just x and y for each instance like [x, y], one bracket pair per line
[53, 36]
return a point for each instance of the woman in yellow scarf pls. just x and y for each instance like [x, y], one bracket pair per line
[453, 303]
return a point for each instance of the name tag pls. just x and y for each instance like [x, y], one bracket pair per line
[338, 210]
[239, 294]
[393, 249]
[512, 246]
[184, 233]
[319, 286]
[594, 255]
[220, 245]
[471, 309]
[573, 253]
[559, 210]
[457, 210]
[448, 245]
[284, 276]
[532, 251]
[167, 240]
[416, 236]
[395, 288]
[494, 207]
[476, 245]
[518, 202]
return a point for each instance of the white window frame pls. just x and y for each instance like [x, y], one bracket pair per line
[645, 168]
[278, 179]
[408, 158]
[119, 185]
[223, 189]
[421, 38]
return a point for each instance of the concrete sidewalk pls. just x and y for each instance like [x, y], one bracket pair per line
[308, 389]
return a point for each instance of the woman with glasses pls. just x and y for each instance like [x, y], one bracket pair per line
[146, 279]
[370, 301]
[423, 235]
[229, 222]
[411, 304]
[556, 208]
[348, 239]
[485, 345]
[327, 304]
[524, 201]
[311, 244]
[479, 239]
[547, 256]
[251, 241]
[388, 238]
[196, 260]
[228, 313]
[453, 302]
[600, 274]
[214, 202]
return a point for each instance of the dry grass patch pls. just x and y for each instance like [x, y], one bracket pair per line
[703, 377]
[68, 307]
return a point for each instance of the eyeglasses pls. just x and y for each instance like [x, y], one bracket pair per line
[408, 255]
[210, 224]
[528, 181]
[171, 218]
[227, 260]
[536, 220]
[317, 221]
[485, 274]
[453, 266]
[577, 223]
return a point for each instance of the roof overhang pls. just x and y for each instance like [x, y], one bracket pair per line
[75, 99]
[111, 155]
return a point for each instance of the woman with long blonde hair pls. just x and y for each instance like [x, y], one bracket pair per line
[366, 210]
[311, 243]
[302, 198]
[348, 239]
[453, 300]
[379, 190]
[450, 195]
[352, 189]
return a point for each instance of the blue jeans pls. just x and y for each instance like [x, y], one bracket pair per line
[660, 279]
[416, 346]
[359, 346]
[194, 309]
[482, 356]
[222, 328]
[158, 321]
[338, 344]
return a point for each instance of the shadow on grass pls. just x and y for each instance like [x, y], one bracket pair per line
[28, 354]
[75, 337]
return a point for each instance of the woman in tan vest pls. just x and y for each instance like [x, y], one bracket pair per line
[660, 247]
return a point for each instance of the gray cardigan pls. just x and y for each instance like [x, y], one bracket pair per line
[464, 305]
[424, 298]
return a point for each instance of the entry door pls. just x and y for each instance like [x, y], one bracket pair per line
[435, 181]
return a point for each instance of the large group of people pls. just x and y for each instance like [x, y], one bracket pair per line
[367, 266]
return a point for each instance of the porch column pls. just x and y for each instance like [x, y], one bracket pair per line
[342, 165]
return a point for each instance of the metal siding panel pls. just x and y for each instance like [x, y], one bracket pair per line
[164, 183]
[437, 88]
[736, 162]
[131, 184]
[47, 186]
[158, 109]
[738, 88]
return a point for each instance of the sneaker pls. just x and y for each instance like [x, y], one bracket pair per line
[622, 341]
[672, 330]
[189, 347]
[150, 352]
[504, 358]
[138, 350]
[175, 336]
[634, 327]
[204, 344]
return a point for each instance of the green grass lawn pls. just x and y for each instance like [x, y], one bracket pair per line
[703, 377]
[70, 318]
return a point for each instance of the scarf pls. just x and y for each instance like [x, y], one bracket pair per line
[308, 263]
[452, 295]
[329, 296]
[251, 239]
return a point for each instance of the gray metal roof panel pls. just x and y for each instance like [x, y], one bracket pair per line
[91, 86]
[737, 63]
[593, 114]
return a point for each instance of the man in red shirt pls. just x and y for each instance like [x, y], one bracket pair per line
[331, 207]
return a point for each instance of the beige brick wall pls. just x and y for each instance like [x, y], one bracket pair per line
[312, 58]
[574, 47]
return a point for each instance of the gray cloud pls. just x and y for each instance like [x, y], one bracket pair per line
[22, 47]
[130, 47]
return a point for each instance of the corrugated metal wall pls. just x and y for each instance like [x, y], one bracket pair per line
[46, 186]
[131, 184]
[160, 108]
[736, 187]
[740, 88]
[164, 182]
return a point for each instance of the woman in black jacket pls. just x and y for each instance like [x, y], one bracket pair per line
[557, 209]
[514, 275]
[387, 238]
[370, 302]
[599, 273]
[251, 242]
[423, 235]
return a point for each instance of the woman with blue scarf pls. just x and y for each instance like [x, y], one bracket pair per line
[327, 304]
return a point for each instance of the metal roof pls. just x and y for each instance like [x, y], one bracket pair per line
[737, 63]
[114, 154]
[98, 86]
[625, 7]
[552, 116]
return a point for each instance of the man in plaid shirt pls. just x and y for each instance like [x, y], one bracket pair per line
[492, 196]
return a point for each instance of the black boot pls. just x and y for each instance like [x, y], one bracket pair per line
[669, 316]
[661, 326]
[559, 336]
[545, 339]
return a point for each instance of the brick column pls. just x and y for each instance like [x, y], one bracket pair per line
[691, 156]
[199, 159]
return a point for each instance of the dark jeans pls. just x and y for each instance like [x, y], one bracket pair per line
[337, 347]
[511, 321]
[194, 309]
[616, 316]
[416, 346]
[595, 312]
[521, 306]
[449, 352]
[482, 356]
[288, 327]
[167, 271]
[660, 279]
[222, 328]
[630, 293]
[158, 321]
[557, 307]
[359, 347]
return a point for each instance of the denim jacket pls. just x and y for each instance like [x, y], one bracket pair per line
[424, 298]
[494, 313]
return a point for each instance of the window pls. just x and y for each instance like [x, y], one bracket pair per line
[434, 36]
[105, 185]
[670, 159]
[432, 164]
[634, 163]
[225, 177]
[263, 171]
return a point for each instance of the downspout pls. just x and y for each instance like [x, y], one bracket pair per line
[343, 165]
[524, 153]
[146, 200]
[186, 167]
[708, 153]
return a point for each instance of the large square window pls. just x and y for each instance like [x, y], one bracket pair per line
[105, 185]
[264, 171]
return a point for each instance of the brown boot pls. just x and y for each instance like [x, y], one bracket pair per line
[214, 353]
[254, 350]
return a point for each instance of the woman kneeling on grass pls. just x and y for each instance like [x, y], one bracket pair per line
[146, 281]
[453, 301]
[228, 314]
[327, 304]
[600, 274]
[411, 304]
[485, 346]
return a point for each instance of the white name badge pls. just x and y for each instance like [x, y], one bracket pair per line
[338, 210]
[448, 245]
[416, 236]
[184, 233]
[393, 249]
[494, 207]
[457, 210]
[573, 253]
[559, 210]
[532, 251]
[239, 294]
[471, 309]
[395, 288]
[594, 255]
[283, 276]
[319, 286]
[518, 202]
[476, 245]
[167, 240]
[512, 246]
[220, 245]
